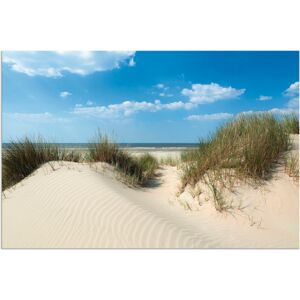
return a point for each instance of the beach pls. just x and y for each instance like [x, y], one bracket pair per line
[86, 205]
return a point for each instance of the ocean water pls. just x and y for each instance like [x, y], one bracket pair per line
[127, 145]
[136, 145]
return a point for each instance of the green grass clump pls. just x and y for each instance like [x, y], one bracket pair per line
[149, 164]
[169, 161]
[291, 164]
[24, 156]
[291, 123]
[249, 145]
[136, 170]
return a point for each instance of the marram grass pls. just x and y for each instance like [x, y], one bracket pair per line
[291, 123]
[135, 170]
[24, 156]
[247, 146]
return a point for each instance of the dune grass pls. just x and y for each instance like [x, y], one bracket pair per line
[24, 156]
[245, 148]
[169, 161]
[291, 123]
[291, 165]
[136, 170]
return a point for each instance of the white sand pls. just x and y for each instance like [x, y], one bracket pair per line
[78, 206]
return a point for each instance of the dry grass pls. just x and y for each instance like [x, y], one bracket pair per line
[169, 161]
[135, 170]
[24, 156]
[248, 146]
[291, 165]
[291, 123]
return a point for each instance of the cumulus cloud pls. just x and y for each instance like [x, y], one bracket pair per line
[210, 117]
[55, 64]
[277, 111]
[165, 95]
[209, 93]
[160, 86]
[45, 117]
[65, 94]
[223, 116]
[128, 108]
[293, 103]
[292, 90]
[264, 98]
[292, 93]
[89, 103]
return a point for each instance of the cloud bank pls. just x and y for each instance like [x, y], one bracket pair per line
[206, 93]
[55, 64]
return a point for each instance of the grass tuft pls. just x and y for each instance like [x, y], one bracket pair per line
[136, 170]
[291, 123]
[291, 164]
[22, 157]
[169, 161]
[247, 146]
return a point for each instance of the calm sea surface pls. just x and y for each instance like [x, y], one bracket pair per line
[127, 145]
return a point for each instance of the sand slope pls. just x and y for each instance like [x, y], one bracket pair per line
[81, 206]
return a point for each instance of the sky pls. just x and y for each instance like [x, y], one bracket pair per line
[141, 96]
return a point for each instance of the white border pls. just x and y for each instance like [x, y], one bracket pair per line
[149, 25]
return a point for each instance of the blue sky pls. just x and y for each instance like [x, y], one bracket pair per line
[161, 96]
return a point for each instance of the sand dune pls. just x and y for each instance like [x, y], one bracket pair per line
[71, 205]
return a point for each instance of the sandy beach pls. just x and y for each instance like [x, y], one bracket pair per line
[81, 205]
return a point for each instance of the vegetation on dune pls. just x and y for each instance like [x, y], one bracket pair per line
[169, 161]
[291, 123]
[244, 148]
[291, 165]
[24, 156]
[136, 170]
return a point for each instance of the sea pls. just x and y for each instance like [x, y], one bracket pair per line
[154, 146]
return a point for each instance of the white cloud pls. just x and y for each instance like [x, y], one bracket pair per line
[223, 116]
[78, 105]
[65, 94]
[128, 108]
[178, 105]
[45, 117]
[165, 95]
[293, 94]
[89, 103]
[131, 62]
[280, 111]
[293, 103]
[54, 64]
[209, 93]
[264, 98]
[160, 86]
[210, 117]
[293, 90]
